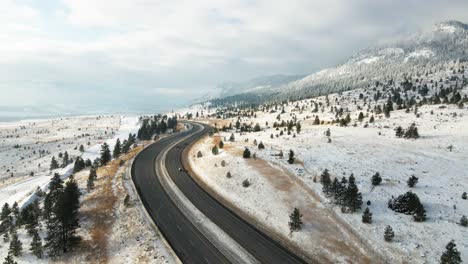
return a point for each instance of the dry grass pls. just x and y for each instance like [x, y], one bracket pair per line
[98, 209]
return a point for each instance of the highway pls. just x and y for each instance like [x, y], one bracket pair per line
[190, 245]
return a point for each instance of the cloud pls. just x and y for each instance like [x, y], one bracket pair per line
[121, 49]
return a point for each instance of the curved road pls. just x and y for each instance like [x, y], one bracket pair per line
[188, 242]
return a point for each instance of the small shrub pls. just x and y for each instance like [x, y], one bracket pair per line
[389, 234]
[412, 181]
[464, 221]
[246, 183]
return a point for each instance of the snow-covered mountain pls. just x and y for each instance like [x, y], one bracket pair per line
[446, 42]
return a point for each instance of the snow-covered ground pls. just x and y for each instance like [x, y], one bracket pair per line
[110, 230]
[277, 187]
[51, 137]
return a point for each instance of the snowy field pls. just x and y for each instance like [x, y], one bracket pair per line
[39, 140]
[438, 158]
[110, 230]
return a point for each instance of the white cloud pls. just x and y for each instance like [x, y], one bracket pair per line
[123, 44]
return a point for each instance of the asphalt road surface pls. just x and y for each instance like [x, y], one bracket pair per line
[187, 241]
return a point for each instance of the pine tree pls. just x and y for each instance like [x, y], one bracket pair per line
[221, 144]
[316, 121]
[5, 211]
[326, 182]
[360, 116]
[464, 196]
[91, 178]
[65, 160]
[291, 157]
[16, 247]
[36, 245]
[125, 146]
[298, 127]
[117, 149]
[53, 164]
[409, 204]
[367, 216]
[451, 254]
[371, 119]
[62, 224]
[9, 259]
[389, 234]
[246, 154]
[257, 127]
[412, 181]
[376, 179]
[464, 221]
[105, 154]
[81, 149]
[215, 150]
[55, 190]
[353, 196]
[295, 220]
[399, 132]
[261, 146]
[15, 209]
[79, 165]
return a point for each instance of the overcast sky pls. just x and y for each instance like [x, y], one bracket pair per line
[148, 52]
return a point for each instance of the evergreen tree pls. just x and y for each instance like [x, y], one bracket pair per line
[353, 196]
[62, 224]
[257, 127]
[291, 157]
[65, 160]
[295, 220]
[5, 211]
[376, 179]
[399, 132]
[91, 178]
[409, 204]
[451, 254]
[36, 245]
[367, 216]
[125, 146]
[464, 196]
[412, 132]
[105, 154]
[316, 120]
[371, 119]
[326, 182]
[261, 146]
[16, 247]
[464, 221]
[117, 149]
[298, 127]
[81, 149]
[232, 138]
[389, 234]
[221, 144]
[53, 164]
[215, 150]
[246, 154]
[9, 259]
[412, 181]
[361, 116]
[79, 165]
[15, 209]
[6, 237]
[55, 190]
